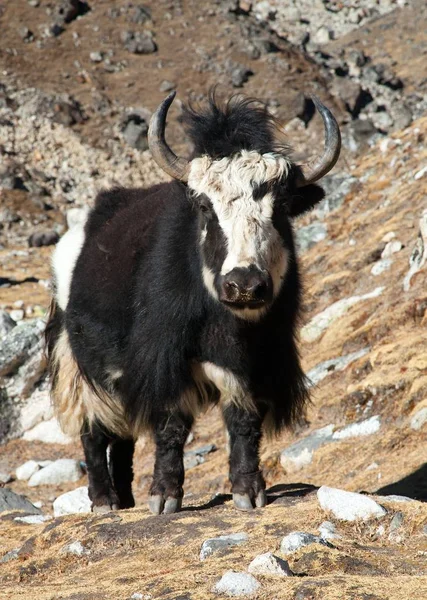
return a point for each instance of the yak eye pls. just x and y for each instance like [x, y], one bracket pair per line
[205, 208]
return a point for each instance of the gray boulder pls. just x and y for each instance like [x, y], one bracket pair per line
[11, 501]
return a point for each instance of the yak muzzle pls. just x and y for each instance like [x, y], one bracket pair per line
[246, 288]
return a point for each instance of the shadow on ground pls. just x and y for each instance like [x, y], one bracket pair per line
[414, 485]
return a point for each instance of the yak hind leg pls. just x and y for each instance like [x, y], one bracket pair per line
[245, 431]
[95, 441]
[170, 434]
[121, 471]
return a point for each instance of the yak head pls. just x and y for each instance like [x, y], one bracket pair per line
[246, 190]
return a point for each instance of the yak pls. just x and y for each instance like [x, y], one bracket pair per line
[184, 295]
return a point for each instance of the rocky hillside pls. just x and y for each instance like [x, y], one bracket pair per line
[73, 117]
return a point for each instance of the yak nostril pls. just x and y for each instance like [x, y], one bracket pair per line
[259, 290]
[232, 289]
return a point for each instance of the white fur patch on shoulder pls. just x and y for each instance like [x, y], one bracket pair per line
[64, 260]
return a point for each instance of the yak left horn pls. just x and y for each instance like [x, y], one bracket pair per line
[167, 160]
[320, 165]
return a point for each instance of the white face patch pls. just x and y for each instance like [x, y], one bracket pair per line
[247, 223]
[64, 260]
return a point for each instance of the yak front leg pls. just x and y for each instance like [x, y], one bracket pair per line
[170, 434]
[245, 431]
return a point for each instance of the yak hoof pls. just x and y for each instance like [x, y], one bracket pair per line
[158, 505]
[261, 499]
[104, 508]
[172, 505]
[242, 501]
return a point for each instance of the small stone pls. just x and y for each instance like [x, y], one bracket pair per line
[33, 519]
[420, 173]
[298, 539]
[11, 501]
[96, 57]
[270, 565]
[167, 86]
[237, 584]
[221, 543]
[75, 548]
[349, 506]
[77, 501]
[323, 35]
[381, 266]
[419, 419]
[27, 470]
[367, 427]
[328, 531]
[135, 130]
[60, 471]
[17, 314]
[11, 555]
[396, 521]
[5, 477]
[391, 248]
[139, 42]
[240, 75]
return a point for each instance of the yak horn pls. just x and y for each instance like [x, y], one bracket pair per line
[321, 165]
[167, 160]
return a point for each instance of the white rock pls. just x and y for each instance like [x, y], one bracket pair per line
[418, 256]
[372, 466]
[17, 314]
[237, 584]
[328, 531]
[75, 548]
[33, 519]
[62, 470]
[48, 432]
[318, 324]
[322, 370]
[349, 506]
[367, 427]
[77, 501]
[300, 454]
[27, 470]
[391, 248]
[389, 236]
[298, 539]
[381, 266]
[38, 408]
[270, 565]
[420, 173]
[419, 419]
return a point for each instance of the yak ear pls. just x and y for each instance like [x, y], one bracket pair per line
[304, 198]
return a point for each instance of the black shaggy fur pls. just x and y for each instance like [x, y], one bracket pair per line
[222, 130]
[138, 304]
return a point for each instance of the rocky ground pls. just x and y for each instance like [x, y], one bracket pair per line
[73, 117]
